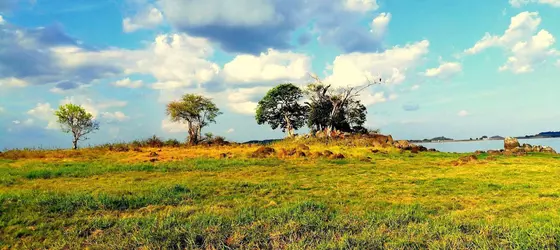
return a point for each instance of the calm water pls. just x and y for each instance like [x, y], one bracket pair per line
[464, 147]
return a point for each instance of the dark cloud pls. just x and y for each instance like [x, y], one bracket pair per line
[273, 26]
[304, 38]
[27, 54]
[66, 85]
[411, 107]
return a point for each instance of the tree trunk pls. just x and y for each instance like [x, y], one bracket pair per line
[289, 127]
[75, 144]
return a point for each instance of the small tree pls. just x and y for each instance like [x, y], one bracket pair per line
[196, 110]
[75, 119]
[280, 108]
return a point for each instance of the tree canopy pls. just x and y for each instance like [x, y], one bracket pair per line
[280, 107]
[196, 110]
[76, 120]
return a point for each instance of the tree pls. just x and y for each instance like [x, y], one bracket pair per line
[336, 108]
[280, 107]
[75, 119]
[197, 111]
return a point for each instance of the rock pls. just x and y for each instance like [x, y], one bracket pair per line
[415, 150]
[494, 152]
[491, 158]
[548, 150]
[301, 154]
[403, 144]
[153, 154]
[432, 150]
[375, 151]
[223, 155]
[327, 153]
[303, 147]
[263, 152]
[381, 140]
[517, 150]
[527, 147]
[511, 143]
[478, 152]
[337, 156]
[469, 158]
[153, 160]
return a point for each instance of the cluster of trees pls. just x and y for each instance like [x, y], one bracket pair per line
[325, 109]
[195, 110]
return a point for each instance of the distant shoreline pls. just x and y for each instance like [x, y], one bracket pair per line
[519, 138]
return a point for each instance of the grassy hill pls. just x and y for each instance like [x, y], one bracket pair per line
[220, 198]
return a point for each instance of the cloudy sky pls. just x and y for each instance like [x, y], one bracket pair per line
[455, 68]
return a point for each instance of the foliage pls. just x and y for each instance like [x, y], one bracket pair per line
[280, 108]
[197, 111]
[337, 109]
[76, 120]
[172, 143]
[154, 142]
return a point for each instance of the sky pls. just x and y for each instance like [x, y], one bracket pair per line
[458, 69]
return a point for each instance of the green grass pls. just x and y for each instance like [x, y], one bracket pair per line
[392, 201]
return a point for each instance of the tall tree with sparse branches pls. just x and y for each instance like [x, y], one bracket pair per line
[280, 107]
[76, 120]
[329, 105]
[195, 110]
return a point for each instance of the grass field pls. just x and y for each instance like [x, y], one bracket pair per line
[191, 198]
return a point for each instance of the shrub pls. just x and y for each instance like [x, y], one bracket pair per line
[154, 142]
[172, 143]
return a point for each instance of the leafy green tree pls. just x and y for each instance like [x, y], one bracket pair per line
[280, 107]
[75, 119]
[197, 111]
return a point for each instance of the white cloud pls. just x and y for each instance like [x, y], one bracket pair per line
[379, 25]
[13, 82]
[368, 99]
[16, 122]
[415, 87]
[463, 113]
[96, 108]
[391, 65]
[525, 48]
[229, 131]
[127, 83]
[361, 5]
[558, 63]
[2, 21]
[519, 3]
[27, 122]
[245, 100]
[270, 66]
[44, 112]
[115, 116]
[445, 70]
[148, 18]
[2, 109]
[173, 127]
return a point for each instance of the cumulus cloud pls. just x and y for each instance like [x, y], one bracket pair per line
[229, 131]
[368, 98]
[415, 87]
[2, 109]
[519, 3]
[2, 21]
[44, 112]
[525, 48]
[245, 100]
[270, 66]
[445, 70]
[147, 18]
[463, 113]
[173, 127]
[127, 83]
[355, 69]
[379, 25]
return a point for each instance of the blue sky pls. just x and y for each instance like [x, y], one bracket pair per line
[455, 68]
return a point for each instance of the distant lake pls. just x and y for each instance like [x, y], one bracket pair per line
[471, 146]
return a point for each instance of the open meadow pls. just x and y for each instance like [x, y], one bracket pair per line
[223, 197]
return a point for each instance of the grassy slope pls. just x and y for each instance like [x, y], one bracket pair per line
[106, 200]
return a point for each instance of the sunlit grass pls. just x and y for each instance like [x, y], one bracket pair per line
[193, 197]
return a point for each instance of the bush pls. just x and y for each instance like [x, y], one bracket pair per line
[154, 142]
[172, 143]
